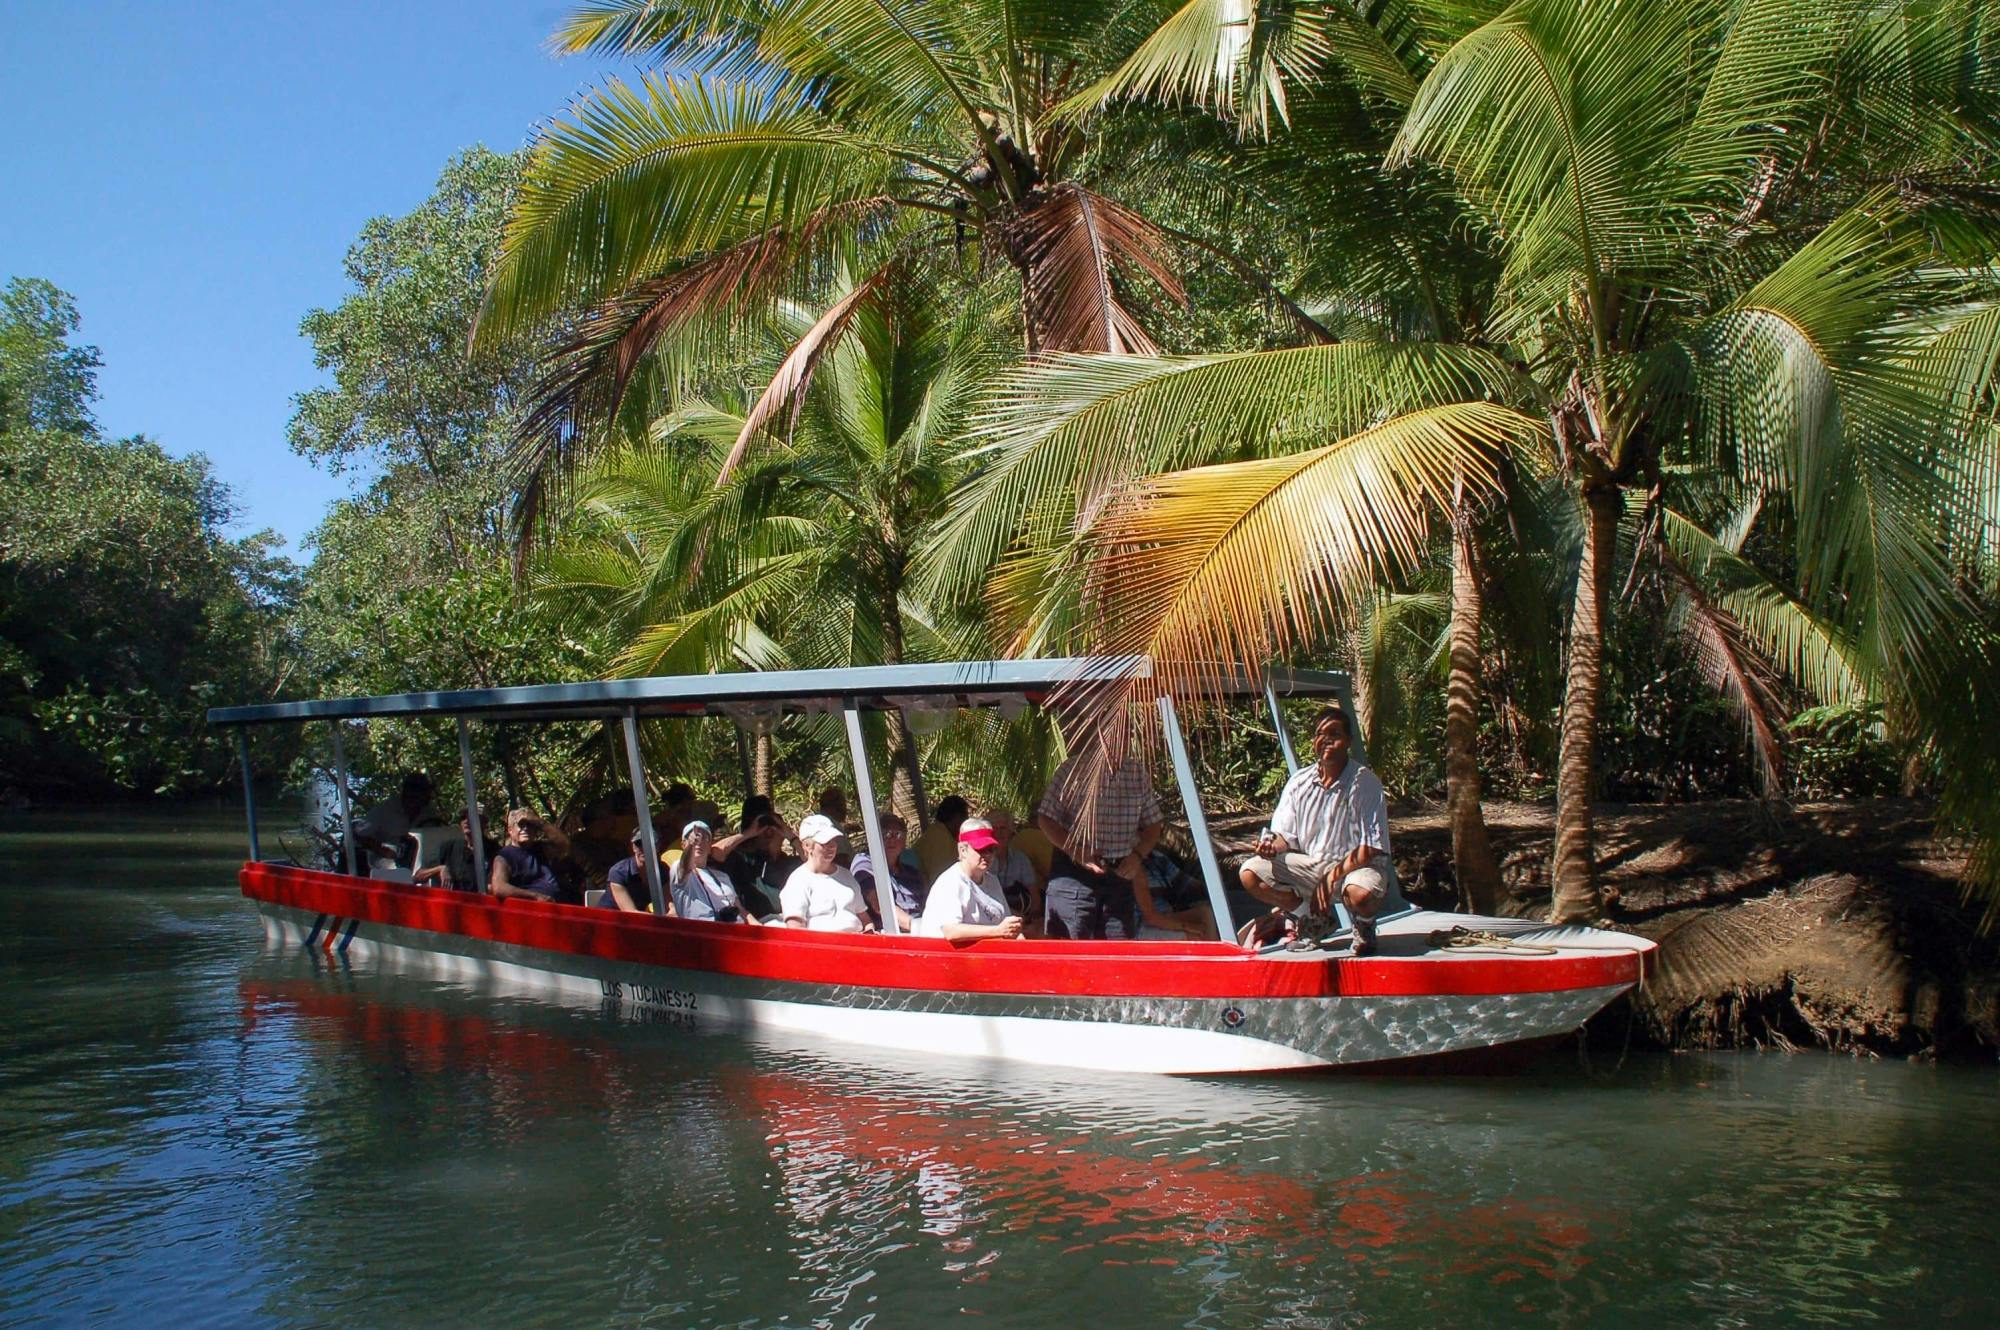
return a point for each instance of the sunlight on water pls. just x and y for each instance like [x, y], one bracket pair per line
[193, 1130]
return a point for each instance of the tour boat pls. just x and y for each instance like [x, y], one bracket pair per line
[1441, 989]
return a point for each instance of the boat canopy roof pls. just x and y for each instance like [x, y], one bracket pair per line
[751, 696]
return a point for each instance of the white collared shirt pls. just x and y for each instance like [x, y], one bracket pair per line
[1329, 822]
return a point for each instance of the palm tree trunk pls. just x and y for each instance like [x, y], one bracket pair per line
[1573, 887]
[1361, 685]
[762, 759]
[1471, 849]
[902, 760]
[904, 800]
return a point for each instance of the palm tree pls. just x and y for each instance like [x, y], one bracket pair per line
[657, 215]
[1700, 273]
[801, 557]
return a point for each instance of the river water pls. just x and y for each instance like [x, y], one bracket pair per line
[194, 1130]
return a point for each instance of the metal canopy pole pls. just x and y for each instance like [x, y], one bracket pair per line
[646, 839]
[864, 787]
[1211, 870]
[249, 790]
[346, 805]
[1278, 720]
[473, 820]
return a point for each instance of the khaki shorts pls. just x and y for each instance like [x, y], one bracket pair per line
[1301, 875]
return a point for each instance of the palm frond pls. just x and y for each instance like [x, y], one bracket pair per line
[665, 29]
[1076, 242]
[1809, 380]
[1059, 433]
[794, 375]
[1724, 656]
[1557, 121]
[1239, 562]
[637, 180]
[584, 379]
[1815, 653]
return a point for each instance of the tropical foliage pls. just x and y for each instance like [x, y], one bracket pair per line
[1739, 269]
[1610, 386]
[98, 535]
[792, 135]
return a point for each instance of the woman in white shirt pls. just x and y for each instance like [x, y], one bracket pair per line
[702, 892]
[964, 904]
[821, 895]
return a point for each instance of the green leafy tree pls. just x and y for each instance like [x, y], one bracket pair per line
[125, 608]
[408, 406]
[46, 383]
[411, 584]
[796, 130]
[1702, 291]
[802, 556]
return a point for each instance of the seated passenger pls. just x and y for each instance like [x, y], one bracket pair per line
[456, 870]
[756, 860]
[699, 891]
[384, 830]
[908, 893]
[626, 886]
[1013, 872]
[833, 805]
[524, 868]
[1173, 897]
[937, 848]
[820, 894]
[1034, 844]
[962, 905]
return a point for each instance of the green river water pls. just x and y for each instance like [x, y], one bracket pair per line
[197, 1131]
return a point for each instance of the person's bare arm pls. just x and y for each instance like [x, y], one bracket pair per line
[1008, 927]
[1133, 865]
[622, 896]
[1151, 913]
[1360, 857]
[1057, 832]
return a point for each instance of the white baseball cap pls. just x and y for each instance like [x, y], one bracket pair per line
[818, 829]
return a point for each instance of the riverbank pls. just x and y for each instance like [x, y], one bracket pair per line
[1829, 925]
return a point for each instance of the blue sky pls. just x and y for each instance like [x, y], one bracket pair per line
[194, 173]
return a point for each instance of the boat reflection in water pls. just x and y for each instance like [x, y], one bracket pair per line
[832, 1175]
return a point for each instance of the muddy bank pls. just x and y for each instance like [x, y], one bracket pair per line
[1836, 926]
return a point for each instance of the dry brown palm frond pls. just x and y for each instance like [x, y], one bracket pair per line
[1075, 243]
[787, 388]
[1733, 667]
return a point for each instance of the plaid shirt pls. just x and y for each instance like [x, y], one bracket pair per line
[1124, 802]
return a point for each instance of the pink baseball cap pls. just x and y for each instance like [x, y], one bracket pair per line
[979, 838]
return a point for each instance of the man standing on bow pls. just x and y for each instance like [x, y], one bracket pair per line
[1329, 835]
